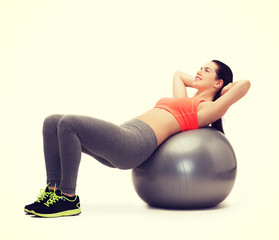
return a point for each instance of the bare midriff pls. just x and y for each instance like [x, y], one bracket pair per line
[162, 122]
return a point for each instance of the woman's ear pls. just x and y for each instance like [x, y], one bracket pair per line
[219, 84]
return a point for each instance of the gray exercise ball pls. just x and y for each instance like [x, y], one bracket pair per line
[192, 169]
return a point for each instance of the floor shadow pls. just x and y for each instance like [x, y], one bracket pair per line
[217, 207]
[138, 209]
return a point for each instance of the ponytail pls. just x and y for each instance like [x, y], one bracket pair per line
[225, 73]
[218, 125]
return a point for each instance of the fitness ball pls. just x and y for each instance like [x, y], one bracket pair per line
[190, 170]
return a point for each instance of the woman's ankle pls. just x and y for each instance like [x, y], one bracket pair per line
[52, 188]
[68, 195]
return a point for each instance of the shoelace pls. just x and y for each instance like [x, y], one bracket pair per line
[43, 194]
[53, 198]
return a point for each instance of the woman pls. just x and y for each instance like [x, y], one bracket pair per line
[129, 145]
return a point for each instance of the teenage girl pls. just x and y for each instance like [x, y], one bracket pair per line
[130, 144]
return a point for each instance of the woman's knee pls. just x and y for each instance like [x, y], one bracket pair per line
[68, 122]
[51, 122]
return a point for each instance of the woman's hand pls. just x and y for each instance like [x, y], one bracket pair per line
[227, 88]
[241, 85]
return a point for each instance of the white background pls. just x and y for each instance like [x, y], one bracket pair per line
[114, 60]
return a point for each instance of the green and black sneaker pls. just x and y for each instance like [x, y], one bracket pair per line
[44, 196]
[59, 205]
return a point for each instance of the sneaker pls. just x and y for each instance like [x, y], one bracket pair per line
[44, 196]
[59, 205]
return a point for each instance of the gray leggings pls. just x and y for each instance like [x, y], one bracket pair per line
[67, 136]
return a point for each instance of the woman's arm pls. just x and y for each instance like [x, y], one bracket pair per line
[232, 93]
[229, 95]
[181, 80]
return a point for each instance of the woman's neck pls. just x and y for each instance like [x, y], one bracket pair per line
[205, 96]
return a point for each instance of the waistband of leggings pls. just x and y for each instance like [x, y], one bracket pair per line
[142, 127]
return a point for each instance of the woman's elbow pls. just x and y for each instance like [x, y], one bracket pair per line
[247, 85]
[176, 74]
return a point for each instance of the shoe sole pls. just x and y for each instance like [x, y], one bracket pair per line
[28, 211]
[59, 214]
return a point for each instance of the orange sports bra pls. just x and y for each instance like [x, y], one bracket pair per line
[183, 109]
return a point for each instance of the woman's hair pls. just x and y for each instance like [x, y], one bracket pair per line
[225, 73]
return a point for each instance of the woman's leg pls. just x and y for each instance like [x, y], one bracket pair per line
[52, 151]
[124, 147]
[100, 159]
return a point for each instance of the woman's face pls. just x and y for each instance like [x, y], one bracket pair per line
[206, 77]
